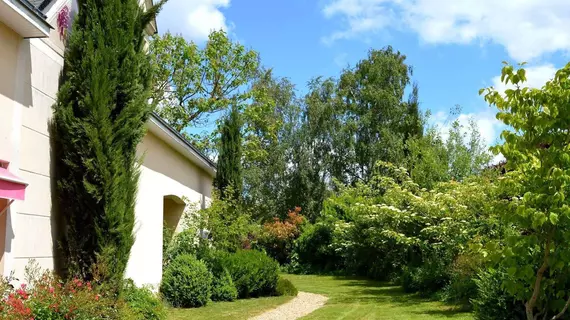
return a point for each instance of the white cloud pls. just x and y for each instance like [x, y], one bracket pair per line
[195, 19]
[536, 76]
[487, 124]
[526, 28]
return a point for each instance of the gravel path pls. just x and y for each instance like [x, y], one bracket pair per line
[300, 306]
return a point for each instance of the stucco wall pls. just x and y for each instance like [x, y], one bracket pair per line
[164, 173]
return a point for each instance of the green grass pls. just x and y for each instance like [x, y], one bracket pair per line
[349, 299]
[237, 310]
[353, 298]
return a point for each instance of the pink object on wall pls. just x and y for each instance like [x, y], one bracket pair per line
[11, 187]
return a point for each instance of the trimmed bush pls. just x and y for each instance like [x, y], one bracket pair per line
[254, 273]
[285, 288]
[143, 303]
[223, 288]
[493, 302]
[186, 282]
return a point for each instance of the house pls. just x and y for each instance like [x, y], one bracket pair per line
[174, 174]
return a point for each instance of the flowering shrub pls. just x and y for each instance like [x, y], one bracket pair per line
[47, 297]
[278, 236]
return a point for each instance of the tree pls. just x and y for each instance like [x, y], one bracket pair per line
[270, 125]
[99, 119]
[536, 191]
[376, 119]
[192, 82]
[229, 173]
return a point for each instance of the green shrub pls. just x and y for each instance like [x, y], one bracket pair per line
[312, 249]
[462, 287]
[183, 243]
[427, 278]
[223, 288]
[142, 302]
[254, 273]
[186, 282]
[493, 302]
[285, 288]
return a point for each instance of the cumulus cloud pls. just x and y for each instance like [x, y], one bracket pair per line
[194, 19]
[527, 29]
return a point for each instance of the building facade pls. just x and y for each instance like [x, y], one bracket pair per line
[174, 175]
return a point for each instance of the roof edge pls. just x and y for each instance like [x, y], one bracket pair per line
[174, 135]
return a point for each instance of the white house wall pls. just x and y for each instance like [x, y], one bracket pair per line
[29, 227]
[164, 172]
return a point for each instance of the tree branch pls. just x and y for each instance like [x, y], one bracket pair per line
[529, 306]
[563, 310]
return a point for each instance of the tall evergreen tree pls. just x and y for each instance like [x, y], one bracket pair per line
[229, 173]
[99, 119]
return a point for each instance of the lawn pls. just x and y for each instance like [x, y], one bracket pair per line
[349, 299]
[238, 310]
[353, 298]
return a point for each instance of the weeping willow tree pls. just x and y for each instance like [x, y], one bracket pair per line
[99, 119]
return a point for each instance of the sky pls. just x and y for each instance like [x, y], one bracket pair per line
[456, 47]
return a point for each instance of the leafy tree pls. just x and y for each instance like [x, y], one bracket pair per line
[192, 82]
[271, 124]
[467, 153]
[229, 168]
[536, 191]
[376, 119]
[99, 119]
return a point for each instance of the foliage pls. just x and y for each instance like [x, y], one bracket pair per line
[431, 276]
[142, 302]
[431, 160]
[192, 82]
[99, 118]
[374, 115]
[254, 273]
[285, 288]
[48, 297]
[223, 288]
[493, 302]
[312, 249]
[277, 237]
[229, 170]
[462, 287]
[270, 130]
[535, 191]
[186, 282]
[183, 243]
[230, 224]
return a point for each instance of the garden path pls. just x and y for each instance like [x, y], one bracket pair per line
[300, 306]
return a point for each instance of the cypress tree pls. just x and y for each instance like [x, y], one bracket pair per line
[99, 119]
[229, 173]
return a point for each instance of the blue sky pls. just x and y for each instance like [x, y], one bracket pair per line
[455, 46]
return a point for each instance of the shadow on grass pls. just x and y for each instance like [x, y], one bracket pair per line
[366, 291]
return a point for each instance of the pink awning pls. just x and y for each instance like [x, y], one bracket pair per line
[11, 187]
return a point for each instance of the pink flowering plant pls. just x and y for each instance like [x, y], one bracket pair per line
[49, 298]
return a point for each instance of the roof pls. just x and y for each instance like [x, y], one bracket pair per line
[163, 130]
[37, 6]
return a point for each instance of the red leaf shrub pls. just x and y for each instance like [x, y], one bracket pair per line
[278, 236]
[50, 298]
